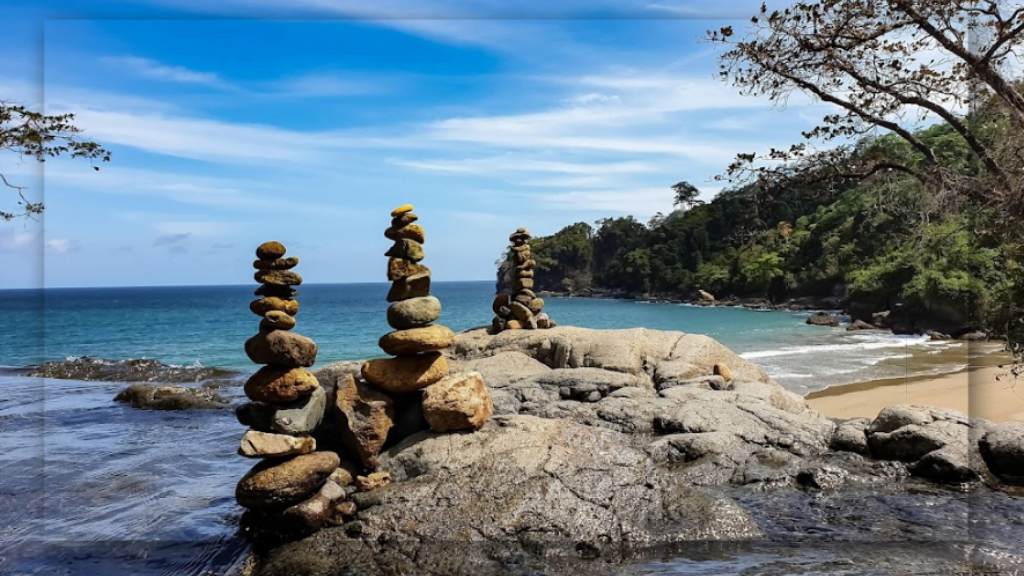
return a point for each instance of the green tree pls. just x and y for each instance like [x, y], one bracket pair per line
[686, 195]
[38, 136]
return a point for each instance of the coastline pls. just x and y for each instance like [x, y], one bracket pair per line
[976, 390]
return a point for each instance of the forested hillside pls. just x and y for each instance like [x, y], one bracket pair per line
[882, 241]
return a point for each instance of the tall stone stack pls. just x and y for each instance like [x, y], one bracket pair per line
[522, 309]
[290, 484]
[416, 343]
[417, 377]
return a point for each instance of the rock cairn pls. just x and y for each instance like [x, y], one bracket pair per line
[522, 309]
[290, 485]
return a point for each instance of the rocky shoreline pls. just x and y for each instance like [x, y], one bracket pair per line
[608, 445]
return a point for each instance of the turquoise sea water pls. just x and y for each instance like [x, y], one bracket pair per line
[208, 326]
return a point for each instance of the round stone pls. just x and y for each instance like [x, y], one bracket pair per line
[414, 312]
[413, 286]
[525, 273]
[514, 325]
[278, 264]
[279, 384]
[399, 269]
[524, 284]
[458, 402]
[404, 220]
[406, 373]
[407, 249]
[270, 250]
[261, 306]
[281, 348]
[521, 257]
[536, 305]
[521, 312]
[416, 340]
[273, 484]
[403, 209]
[528, 265]
[277, 320]
[412, 232]
[283, 292]
[524, 297]
[278, 277]
[500, 301]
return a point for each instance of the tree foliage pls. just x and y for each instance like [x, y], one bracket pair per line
[37, 136]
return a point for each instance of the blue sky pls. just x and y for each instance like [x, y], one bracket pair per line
[309, 124]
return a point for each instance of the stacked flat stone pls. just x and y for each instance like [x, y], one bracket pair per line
[522, 309]
[290, 484]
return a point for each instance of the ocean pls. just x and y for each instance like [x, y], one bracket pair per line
[94, 487]
[207, 325]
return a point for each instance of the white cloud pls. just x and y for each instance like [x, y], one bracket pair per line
[159, 71]
[58, 245]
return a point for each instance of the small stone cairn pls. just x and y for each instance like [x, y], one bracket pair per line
[522, 309]
[290, 485]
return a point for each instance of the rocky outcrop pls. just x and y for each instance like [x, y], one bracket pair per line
[1003, 450]
[823, 319]
[615, 440]
[149, 397]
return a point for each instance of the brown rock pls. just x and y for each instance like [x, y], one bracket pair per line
[277, 384]
[524, 284]
[346, 509]
[416, 340]
[282, 348]
[280, 292]
[404, 220]
[536, 305]
[723, 371]
[525, 273]
[399, 268]
[500, 301]
[412, 232]
[521, 248]
[278, 277]
[407, 249]
[519, 236]
[276, 484]
[403, 209]
[521, 257]
[314, 513]
[256, 444]
[261, 306]
[415, 286]
[505, 311]
[270, 250]
[364, 417]
[528, 265]
[543, 321]
[277, 320]
[407, 373]
[414, 312]
[514, 325]
[458, 402]
[342, 476]
[520, 311]
[278, 264]
[373, 481]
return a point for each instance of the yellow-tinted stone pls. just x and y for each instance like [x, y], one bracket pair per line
[406, 373]
[403, 209]
[277, 320]
[277, 384]
[261, 306]
[416, 340]
[270, 250]
[412, 232]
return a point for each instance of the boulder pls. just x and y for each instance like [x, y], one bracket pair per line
[417, 340]
[501, 301]
[520, 311]
[859, 325]
[270, 250]
[412, 286]
[282, 348]
[277, 484]
[149, 397]
[851, 436]
[503, 369]
[881, 319]
[261, 306]
[723, 370]
[457, 402]
[412, 232]
[1003, 450]
[582, 383]
[404, 220]
[257, 444]
[405, 374]
[278, 384]
[536, 305]
[706, 296]
[364, 415]
[823, 319]
[414, 312]
[299, 417]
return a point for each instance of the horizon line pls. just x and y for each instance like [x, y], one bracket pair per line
[298, 287]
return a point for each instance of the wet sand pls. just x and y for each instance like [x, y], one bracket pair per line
[984, 389]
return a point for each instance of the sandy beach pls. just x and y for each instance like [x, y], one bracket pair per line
[984, 389]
